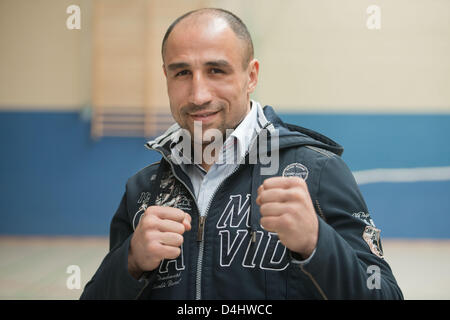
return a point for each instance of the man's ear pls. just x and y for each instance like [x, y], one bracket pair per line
[164, 70]
[253, 70]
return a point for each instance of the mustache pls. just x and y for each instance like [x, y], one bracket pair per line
[209, 107]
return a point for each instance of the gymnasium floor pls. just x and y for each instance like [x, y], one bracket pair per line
[36, 267]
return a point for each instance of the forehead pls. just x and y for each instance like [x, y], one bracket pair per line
[204, 37]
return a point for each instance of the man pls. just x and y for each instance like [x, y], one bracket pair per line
[218, 228]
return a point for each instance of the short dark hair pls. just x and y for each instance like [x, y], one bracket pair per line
[233, 21]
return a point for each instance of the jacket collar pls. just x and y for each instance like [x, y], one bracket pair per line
[239, 141]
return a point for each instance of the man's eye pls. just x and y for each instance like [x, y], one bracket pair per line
[182, 73]
[215, 70]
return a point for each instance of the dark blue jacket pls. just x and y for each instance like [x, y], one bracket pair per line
[229, 256]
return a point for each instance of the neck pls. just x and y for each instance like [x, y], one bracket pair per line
[207, 166]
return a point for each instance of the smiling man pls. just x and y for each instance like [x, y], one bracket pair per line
[206, 84]
[223, 229]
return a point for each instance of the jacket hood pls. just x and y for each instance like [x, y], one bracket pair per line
[292, 135]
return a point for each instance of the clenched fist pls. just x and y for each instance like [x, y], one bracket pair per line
[287, 209]
[158, 236]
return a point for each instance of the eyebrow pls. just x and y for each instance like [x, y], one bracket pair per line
[177, 65]
[218, 63]
[215, 63]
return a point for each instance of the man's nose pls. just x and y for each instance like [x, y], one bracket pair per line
[200, 91]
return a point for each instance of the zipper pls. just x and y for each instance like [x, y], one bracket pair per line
[201, 228]
[198, 285]
[200, 237]
[202, 219]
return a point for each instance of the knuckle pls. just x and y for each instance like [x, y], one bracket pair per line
[285, 220]
[263, 209]
[149, 236]
[179, 239]
[172, 254]
[267, 224]
[296, 194]
[176, 228]
[264, 197]
[266, 184]
[291, 209]
[180, 229]
[180, 212]
[153, 248]
[180, 215]
[151, 222]
[151, 210]
[263, 222]
[296, 181]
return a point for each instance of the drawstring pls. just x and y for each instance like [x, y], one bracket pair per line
[156, 184]
[253, 219]
[256, 182]
[155, 188]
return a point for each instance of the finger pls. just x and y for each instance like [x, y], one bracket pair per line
[274, 209]
[165, 225]
[169, 213]
[170, 252]
[282, 182]
[269, 224]
[260, 188]
[259, 191]
[171, 239]
[187, 222]
[280, 195]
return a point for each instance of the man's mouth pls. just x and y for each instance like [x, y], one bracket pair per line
[203, 116]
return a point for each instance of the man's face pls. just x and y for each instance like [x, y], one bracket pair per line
[206, 79]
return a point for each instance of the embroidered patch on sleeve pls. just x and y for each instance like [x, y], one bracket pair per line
[296, 170]
[372, 237]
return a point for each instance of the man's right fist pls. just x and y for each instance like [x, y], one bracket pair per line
[158, 236]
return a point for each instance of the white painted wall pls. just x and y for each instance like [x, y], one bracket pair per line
[316, 56]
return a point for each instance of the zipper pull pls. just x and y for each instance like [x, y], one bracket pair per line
[253, 236]
[201, 228]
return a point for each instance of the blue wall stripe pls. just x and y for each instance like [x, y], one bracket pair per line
[410, 210]
[56, 180]
[384, 141]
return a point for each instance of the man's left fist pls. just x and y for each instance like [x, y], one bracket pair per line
[287, 209]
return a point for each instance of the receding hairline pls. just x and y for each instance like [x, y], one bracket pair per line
[233, 22]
